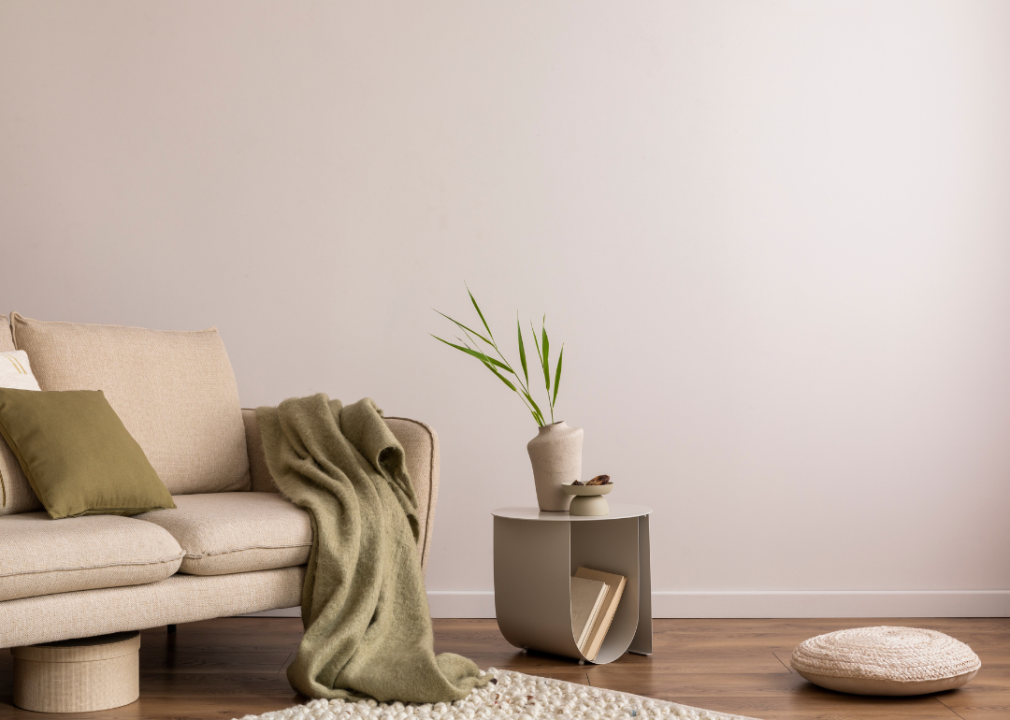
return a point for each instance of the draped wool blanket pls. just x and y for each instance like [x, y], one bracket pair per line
[367, 627]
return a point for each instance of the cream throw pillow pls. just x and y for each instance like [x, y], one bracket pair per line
[16, 371]
[16, 495]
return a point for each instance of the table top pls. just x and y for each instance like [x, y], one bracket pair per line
[618, 511]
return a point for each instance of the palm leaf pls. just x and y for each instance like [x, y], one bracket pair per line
[535, 406]
[477, 308]
[464, 327]
[538, 416]
[501, 377]
[557, 375]
[546, 345]
[475, 353]
[536, 342]
[522, 350]
[504, 364]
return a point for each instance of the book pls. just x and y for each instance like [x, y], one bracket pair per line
[587, 599]
[605, 615]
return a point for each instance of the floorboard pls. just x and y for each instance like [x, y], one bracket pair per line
[231, 667]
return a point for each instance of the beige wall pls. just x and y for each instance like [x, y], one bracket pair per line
[774, 237]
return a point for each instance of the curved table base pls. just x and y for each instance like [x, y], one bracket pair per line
[533, 564]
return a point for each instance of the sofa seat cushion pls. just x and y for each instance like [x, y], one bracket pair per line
[42, 556]
[224, 533]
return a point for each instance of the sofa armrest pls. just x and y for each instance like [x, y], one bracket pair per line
[420, 445]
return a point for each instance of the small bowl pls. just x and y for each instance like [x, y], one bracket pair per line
[588, 500]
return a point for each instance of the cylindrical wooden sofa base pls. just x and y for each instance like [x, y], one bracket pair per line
[83, 675]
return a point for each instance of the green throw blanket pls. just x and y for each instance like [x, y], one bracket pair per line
[367, 627]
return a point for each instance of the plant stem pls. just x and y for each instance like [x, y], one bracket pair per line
[536, 415]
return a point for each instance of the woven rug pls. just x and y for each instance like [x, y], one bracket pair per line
[509, 695]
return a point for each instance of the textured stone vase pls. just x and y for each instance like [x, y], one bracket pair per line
[556, 456]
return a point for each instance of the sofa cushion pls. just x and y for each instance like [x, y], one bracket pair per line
[174, 391]
[225, 533]
[77, 455]
[42, 556]
[16, 494]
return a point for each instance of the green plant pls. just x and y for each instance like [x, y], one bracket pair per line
[501, 367]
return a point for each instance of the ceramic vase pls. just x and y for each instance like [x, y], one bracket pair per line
[556, 456]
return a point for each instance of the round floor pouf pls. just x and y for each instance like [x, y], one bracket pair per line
[886, 661]
[83, 675]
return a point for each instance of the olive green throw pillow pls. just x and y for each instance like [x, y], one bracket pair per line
[77, 454]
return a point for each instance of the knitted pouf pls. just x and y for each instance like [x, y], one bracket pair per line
[886, 661]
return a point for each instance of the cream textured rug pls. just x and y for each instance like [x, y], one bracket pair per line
[510, 695]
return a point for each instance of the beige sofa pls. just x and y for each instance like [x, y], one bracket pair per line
[232, 546]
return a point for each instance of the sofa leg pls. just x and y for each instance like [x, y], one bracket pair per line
[172, 629]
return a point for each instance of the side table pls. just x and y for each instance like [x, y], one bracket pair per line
[535, 555]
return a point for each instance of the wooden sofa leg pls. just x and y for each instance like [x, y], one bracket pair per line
[172, 629]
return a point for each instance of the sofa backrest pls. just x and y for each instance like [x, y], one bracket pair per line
[174, 391]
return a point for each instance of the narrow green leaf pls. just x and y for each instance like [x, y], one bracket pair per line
[501, 377]
[536, 342]
[546, 345]
[538, 416]
[557, 375]
[535, 406]
[504, 364]
[475, 353]
[522, 350]
[469, 330]
[477, 308]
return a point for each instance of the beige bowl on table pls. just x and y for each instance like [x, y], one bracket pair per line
[588, 500]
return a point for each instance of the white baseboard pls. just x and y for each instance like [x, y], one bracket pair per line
[832, 604]
[468, 604]
[760, 604]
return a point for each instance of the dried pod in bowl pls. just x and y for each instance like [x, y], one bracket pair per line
[578, 483]
[600, 480]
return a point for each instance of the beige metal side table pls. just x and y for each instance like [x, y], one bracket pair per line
[535, 555]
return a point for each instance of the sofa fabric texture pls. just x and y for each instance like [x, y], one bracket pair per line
[77, 455]
[259, 473]
[174, 391]
[179, 599]
[224, 533]
[6, 341]
[44, 557]
[16, 494]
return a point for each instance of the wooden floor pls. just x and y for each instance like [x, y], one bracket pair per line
[232, 667]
